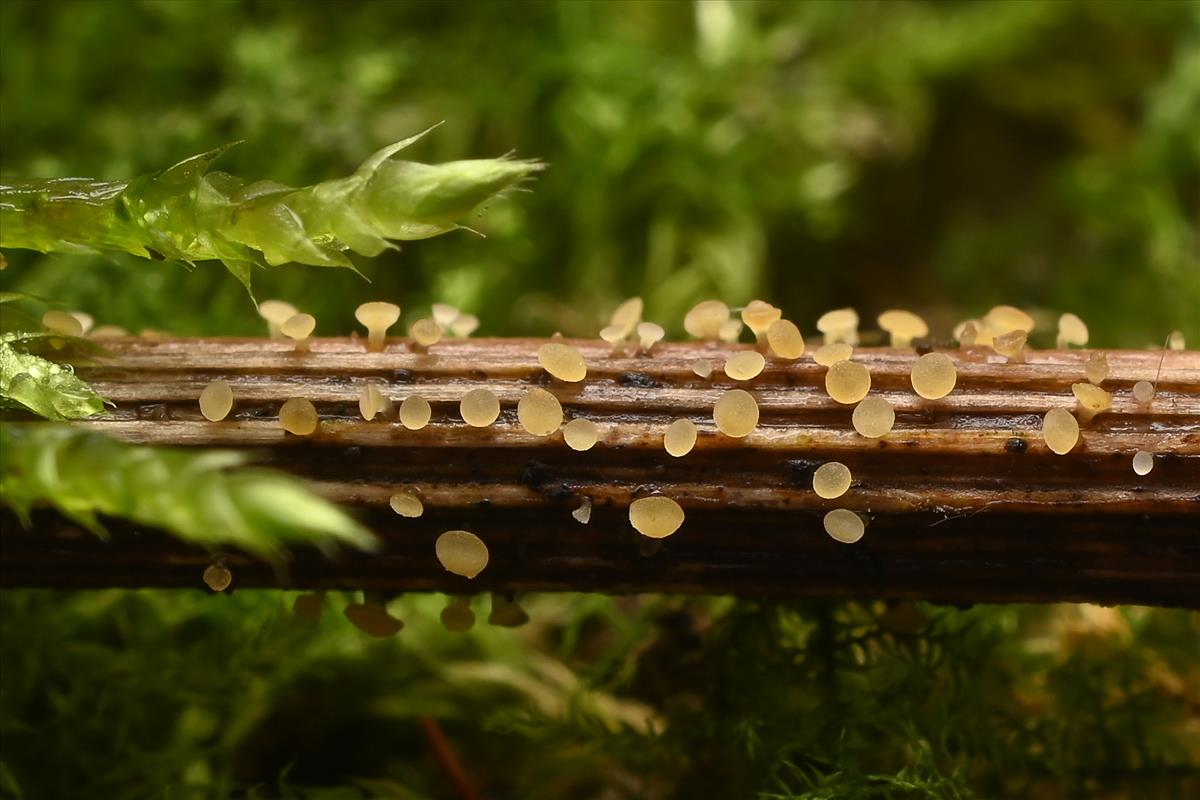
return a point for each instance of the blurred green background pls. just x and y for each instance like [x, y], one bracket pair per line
[944, 157]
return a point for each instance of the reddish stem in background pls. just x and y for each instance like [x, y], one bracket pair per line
[446, 757]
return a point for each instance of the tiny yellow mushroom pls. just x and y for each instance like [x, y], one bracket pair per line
[562, 361]
[656, 517]
[216, 401]
[462, 553]
[298, 328]
[705, 319]
[276, 312]
[902, 326]
[377, 316]
[298, 416]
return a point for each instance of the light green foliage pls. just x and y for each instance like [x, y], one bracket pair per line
[33, 383]
[187, 213]
[195, 496]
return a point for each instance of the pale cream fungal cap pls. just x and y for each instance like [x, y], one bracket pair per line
[831, 480]
[705, 319]
[844, 525]
[415, 412]
[108, 332]
[563, 361]
[626, 317]
[933, 376]
[829, 354]
[702, 368]
[217, 577]
[1176, 341]
[581, 434]
[613, 334]
[406, 504]
[759, 315]
[730, 330]
[848, 382]
[444, 314]
[298, 328]
[903, 326]
[873, 417]
[298, 416]
[373, 619]
[457, 616]
[745, 365]
[479, 408]
[1060, 431]
[539, 412]
[583, 514]
[1143, 392]
[1005, 319]
[1096, 368]
[680, 437]
[736, 413]
[1071, 331]
[62, 322]
[968, 333]
[85, 320]
[784, 339]
[425, 332]
[464, 326]
[1091, 397]
[216, 401]
[839, 325]
[276, 312]
[372, 402]
[1143, 462]
[462, 553]
[1011, 345]
[656, 517]
[377, 316]
[649, 334]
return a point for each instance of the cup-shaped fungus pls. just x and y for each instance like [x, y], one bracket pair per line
[415, 412]
[1011, 345]
[1092, 400]
[730, 330]
[108, 332]
[425, 332]
[702, 368]
[1071, 332]
[298, 416]
[217, 577]
[377, 317]
[874, 417]
[656, 517]
[406, 504]
[462, 553]
[839, 325]
[539, 412]
[444, 314]
[464, 325]
[625, 319]
[298, 328]
[847, 382]
[1176, 341]
[680, 437]
[1005, 319]
[831, 480]
[373, 619]
[968, 333]
[276, 312]
[580, 434]
[1060, 431]
[457, 616]
[744, 365]
[1096, 368]
[583, 514]
[902, 326]
[372, 402]
[705, 319]
[62, 322]
[479, 408]
[1143, 392]
[933, 376]
[759, 315]
[506, 613]
[784, 339]
[844, 525]
[829, 354]
[736, 413]
[216, 401]
[1143, 462]
[562, 361]
[649, 334]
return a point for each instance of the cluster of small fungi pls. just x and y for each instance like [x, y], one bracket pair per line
[735, 413]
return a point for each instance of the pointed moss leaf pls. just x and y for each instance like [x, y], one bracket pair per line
[202, 498]
[45, 388]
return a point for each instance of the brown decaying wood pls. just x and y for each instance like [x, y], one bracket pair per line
[964, 502]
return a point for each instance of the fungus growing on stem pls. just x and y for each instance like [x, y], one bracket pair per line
[784, 339]
[1071, 332]
[462, 553]
[1096, 368]
[933, 376]
[1143, 392]
[848, 382]
[1176, 341]
[62, 322]
[479, 408]
[463, 326]
[902, 326]
[216, 401]
[583, 514]
[506, 613]
[759, 316]
[829, 354]
[705, 319]
[1060, 431]
[298, 328]
[108, 332]
[680, 437]
[844, 525]
[1005, 319]
[377, 316]
[217, 577]
[831, 480]
[656, 517]
[873, 417]
[744, 365]
[580, 434]
[425, 332]
[736, 413]
[1092, 400]
[562, 361]
[85, 320]
[1011, 345]
[967, 333]
[371, 402]
[444, 314]
[406, 504]
[276, 312]
[415, 412]
[298, 416]
[624, 320]
[702, 368]
[539, 412]
[730, 330]
[1143, 462]
[649, 334]
[839, 325]
[372, 618]
[457, 616]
